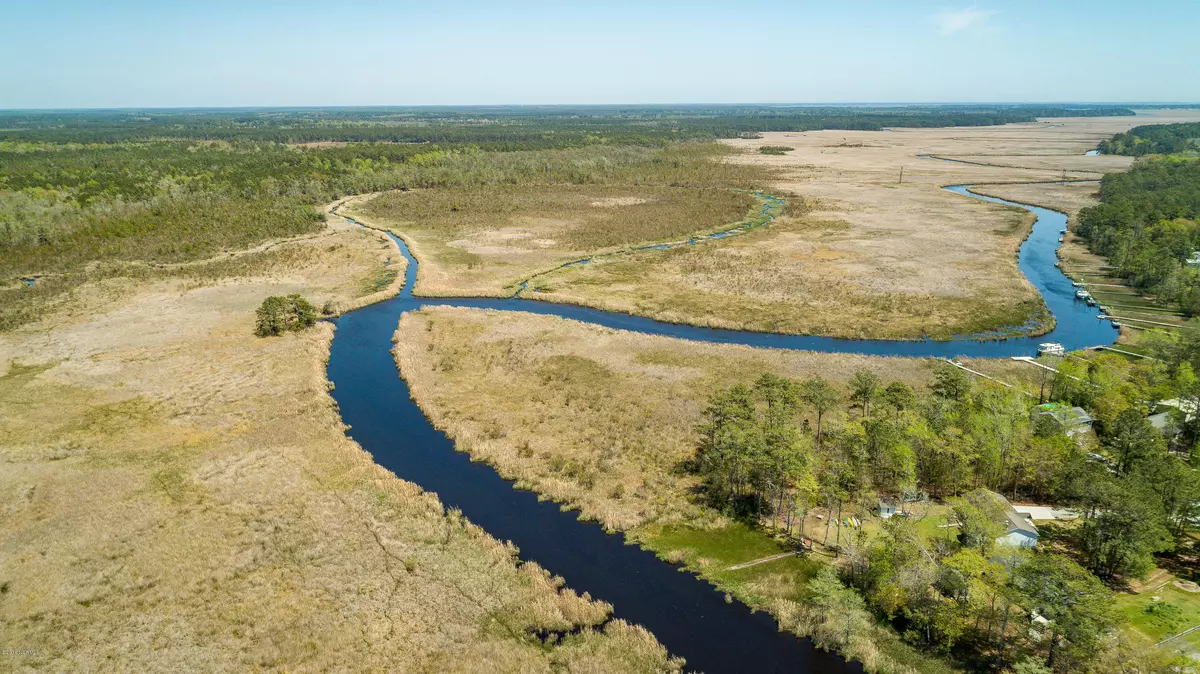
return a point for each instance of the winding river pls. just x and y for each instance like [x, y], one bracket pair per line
[689, 616]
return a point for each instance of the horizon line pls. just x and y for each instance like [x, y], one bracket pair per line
[844, 104]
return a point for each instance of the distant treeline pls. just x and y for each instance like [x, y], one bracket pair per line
[1146, 226]
[544, 126]
[65, 207]
[1154, 139]
[79, 188]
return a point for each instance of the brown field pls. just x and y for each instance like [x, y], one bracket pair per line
[594, 418]
[180, 495]
[486, 239]
[1069, 198]
[859, 255]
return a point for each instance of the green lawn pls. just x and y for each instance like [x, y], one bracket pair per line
[712, 551]
[1154, 621]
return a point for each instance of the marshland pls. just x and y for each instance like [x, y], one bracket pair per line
[233, 521]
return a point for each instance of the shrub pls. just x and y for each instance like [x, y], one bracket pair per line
[278, 315]
[775, 149]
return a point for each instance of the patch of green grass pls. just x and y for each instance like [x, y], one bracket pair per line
[711, 552]
[893, 648]
[1176, 611]
[378, 280]
[775, 149]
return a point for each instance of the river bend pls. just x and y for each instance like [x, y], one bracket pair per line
[689, 616]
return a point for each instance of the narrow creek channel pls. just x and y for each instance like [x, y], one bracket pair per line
[688, 615]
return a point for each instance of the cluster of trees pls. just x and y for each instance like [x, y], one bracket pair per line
[977, 600]
[838, 447]
[778, 448]
[1145, 496]
[1154, 139]
[1146, 225]
[278, 315]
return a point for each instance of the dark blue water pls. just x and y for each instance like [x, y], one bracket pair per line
[1076, 324]
[686, 614]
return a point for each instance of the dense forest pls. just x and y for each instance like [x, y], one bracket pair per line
[1154, 139]
[543, 126]
[1146, 226]
[776, 449]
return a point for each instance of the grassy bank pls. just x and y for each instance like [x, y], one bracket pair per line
[179, 494]
[603, 421]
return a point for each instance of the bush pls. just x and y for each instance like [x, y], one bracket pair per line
[278, 315]
[774, 149]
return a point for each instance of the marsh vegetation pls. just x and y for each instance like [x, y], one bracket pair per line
[214, 468]
[503, 223]
[686, 450]
[215, 465]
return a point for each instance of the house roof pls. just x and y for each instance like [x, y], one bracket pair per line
[1013, 520]
[1067, 416]
[1186, 406]
[1160, 420]
[1017, 522]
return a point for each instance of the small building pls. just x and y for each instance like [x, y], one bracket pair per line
[1071, 420]
[1165, 423]
[1187, 407]
[1194, 260]
[888, 507]
[1021, 532]
[1037, 513]
[1038, 626]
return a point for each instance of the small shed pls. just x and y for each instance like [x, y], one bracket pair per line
[1038, 625]
[888, 507]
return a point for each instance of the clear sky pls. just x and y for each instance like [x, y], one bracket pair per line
[172, 53]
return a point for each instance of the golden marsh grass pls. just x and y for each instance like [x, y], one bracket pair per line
[594, 418]
[178, 494]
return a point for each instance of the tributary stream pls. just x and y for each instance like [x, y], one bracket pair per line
[688, 615]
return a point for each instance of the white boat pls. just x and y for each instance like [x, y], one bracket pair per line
[1051, 349]
[1082, 294]
[1077, 284]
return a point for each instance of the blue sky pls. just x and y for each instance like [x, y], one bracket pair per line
[172, 53]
